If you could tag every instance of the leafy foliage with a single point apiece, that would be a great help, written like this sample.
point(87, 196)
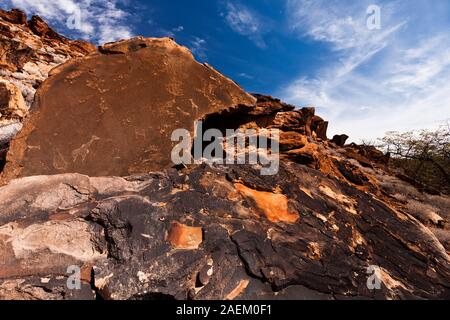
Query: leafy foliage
point(424, 155)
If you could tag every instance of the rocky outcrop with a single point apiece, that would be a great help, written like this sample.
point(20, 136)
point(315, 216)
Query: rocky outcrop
point(12, 111)
point(340, 139)
point(125, 102)
point(12, 104)
point(203, 232)
point(28, 51)
point(15, 16)
point(313, 231)
point(92, 207)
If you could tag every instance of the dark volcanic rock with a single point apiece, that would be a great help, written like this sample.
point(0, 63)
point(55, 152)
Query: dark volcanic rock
point(340, 139)
point(113, 113)
point(212, 234)
point(3, 152)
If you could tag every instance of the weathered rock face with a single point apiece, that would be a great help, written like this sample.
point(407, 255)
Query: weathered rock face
point(113, 112)
point(12, 104)
point(333, 213)
point(310, 232)
point(340, 139)
point(14, 16)
point(212, 233)
point(28, 51)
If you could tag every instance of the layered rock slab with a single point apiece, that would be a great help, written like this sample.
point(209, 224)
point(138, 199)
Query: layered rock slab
point(113, 112)
point(193, 234)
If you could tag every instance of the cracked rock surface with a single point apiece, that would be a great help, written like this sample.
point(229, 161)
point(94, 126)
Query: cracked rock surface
point(194, 234)
point(89, 188)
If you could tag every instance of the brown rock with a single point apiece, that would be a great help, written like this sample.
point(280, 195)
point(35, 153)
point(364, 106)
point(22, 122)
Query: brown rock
point(353, 154)
point(25, 58)
point(352, 173)
point(14, 16)
point(184, 237)
point(114, 114)
point(340, 140)
point(303, 121)
point(12, 105)
point(205, 274)
point(319, 127)
point(3, 152)
point(292, 140)
point(125, 234)
point(132, 45)
point(238, 290)
point(82, 47)
point(308, 112)
point(12, 110)
point(269, 105)
point(370, 153)
point(289, 121)
point(307, 155)
point(42, 29)
point(14, 54)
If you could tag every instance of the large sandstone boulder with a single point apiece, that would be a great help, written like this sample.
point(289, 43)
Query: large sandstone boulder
point(113, 112)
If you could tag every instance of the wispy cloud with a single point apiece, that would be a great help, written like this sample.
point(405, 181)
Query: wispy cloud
point(246, 22)
point(95, 20)
point(377, 80)
point(178, 29)
point(198, 47)
point(246, 76)
point(162, 32)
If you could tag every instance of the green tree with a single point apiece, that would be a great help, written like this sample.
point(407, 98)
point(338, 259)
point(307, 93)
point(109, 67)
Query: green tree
point(424, 155)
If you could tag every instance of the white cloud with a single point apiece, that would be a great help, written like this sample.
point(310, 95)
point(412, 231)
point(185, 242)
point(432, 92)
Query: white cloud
point(97, 20)
point(379, 80)
point(178, 29)
point(421, 66)
point(246, 22)
point(198, 47)
point(246, 76)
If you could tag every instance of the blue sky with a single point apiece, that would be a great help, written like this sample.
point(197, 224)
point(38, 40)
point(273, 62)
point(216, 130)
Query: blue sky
point(307, 52)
